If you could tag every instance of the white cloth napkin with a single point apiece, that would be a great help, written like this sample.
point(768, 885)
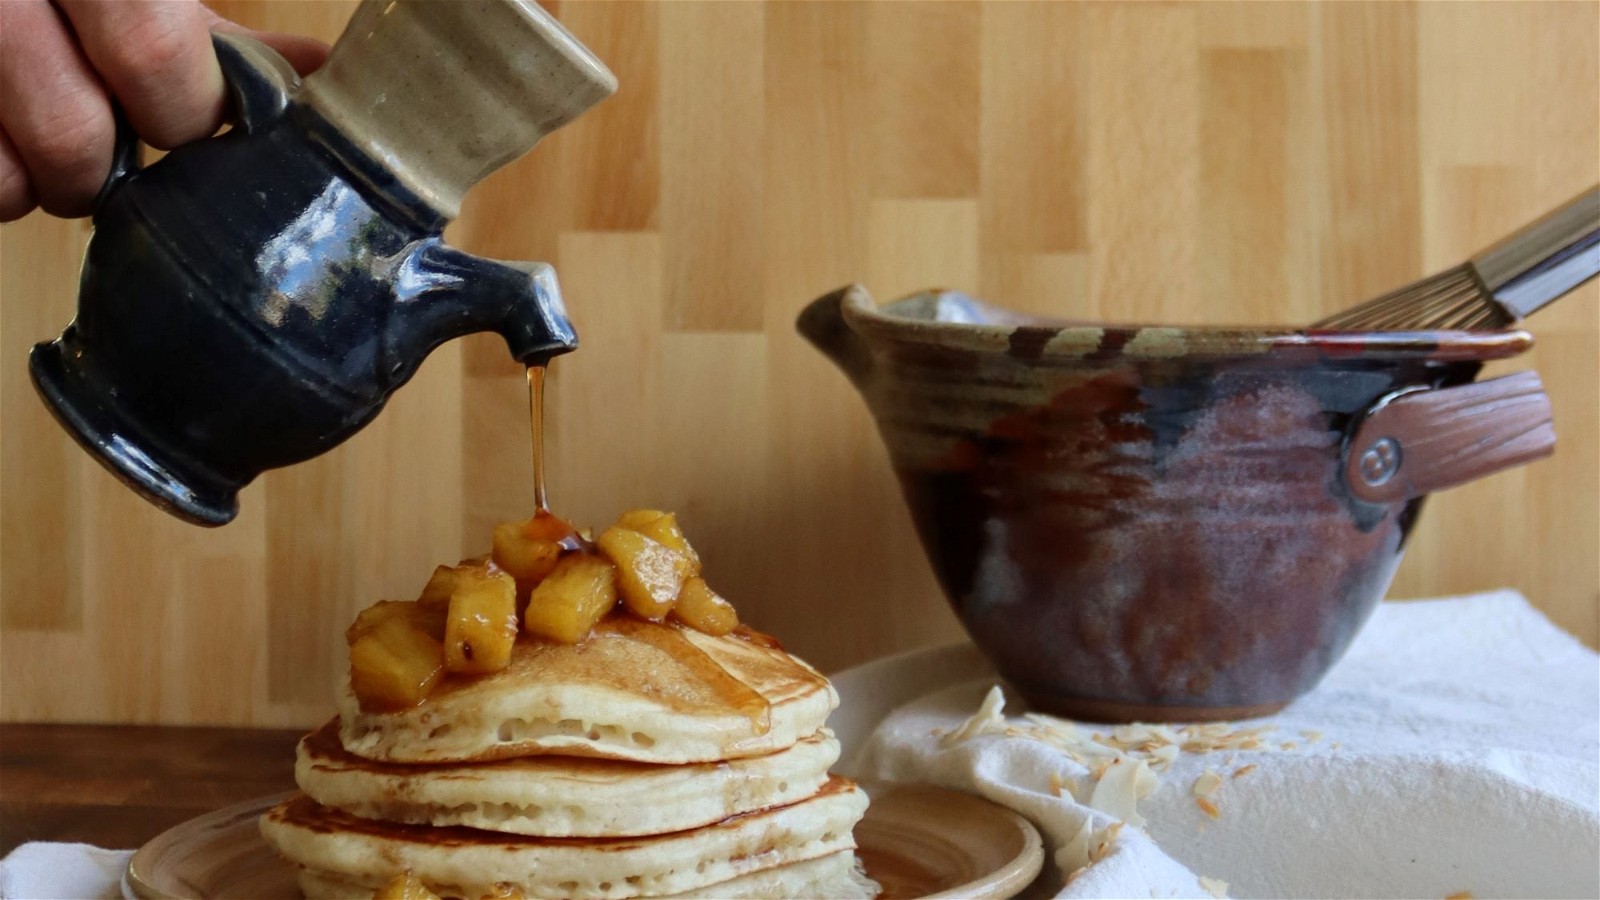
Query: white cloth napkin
point(1455, 749)
point(45, 871)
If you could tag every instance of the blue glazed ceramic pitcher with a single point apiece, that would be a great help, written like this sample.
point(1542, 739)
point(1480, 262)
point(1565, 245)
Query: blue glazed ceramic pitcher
point(251, 300)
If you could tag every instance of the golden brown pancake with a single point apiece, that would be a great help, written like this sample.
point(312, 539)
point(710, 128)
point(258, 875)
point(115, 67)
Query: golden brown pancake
point(837, 875)
point(634, 690)
point(467, 862)
point(561, 796)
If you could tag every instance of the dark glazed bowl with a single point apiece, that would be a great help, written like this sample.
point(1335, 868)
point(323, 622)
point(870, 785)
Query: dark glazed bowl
point(1160, 523)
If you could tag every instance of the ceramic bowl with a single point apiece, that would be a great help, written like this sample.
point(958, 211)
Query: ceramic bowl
point(1167, 523)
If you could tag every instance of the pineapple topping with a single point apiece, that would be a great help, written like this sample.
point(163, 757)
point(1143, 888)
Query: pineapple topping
point(544, 577)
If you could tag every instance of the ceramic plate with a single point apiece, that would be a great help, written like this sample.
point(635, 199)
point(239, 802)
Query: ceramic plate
point(916, 841)
point(920, 841)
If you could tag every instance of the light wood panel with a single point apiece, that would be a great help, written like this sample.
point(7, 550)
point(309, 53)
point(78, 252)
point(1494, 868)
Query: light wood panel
point(1250, 162)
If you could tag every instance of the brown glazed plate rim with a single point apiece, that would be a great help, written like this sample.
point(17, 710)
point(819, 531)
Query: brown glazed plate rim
point(921, 318)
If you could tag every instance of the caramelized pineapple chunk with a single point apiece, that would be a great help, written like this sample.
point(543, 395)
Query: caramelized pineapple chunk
point(369, 618)
point(482, 622)
point(430, 620)
point(552, 575)
point(567, 604)
point(528, 559)
point(649, 573)
point(661, 527)
point(637, 519)
point(703, 609)
point(441, 584)
point(547, 526)
point(405, 886)
point(395, 665)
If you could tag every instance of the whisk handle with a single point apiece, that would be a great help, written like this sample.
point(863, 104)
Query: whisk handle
point(1547, 258)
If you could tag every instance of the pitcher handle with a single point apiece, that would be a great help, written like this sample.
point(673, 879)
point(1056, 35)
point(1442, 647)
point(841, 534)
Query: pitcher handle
point(259, 81)
point(126, 157)
point(1417, 442)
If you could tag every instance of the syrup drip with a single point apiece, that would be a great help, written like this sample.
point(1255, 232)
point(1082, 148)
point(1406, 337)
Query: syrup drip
point(536, 424)
point(729, 690)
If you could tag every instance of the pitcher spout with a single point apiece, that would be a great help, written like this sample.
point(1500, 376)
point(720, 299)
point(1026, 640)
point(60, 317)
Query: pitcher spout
point(823, 323)
point(442, 293)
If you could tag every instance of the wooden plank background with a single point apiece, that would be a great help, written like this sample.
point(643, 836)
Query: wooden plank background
point(1225, 162)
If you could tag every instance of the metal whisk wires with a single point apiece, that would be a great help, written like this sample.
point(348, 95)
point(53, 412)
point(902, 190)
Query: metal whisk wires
point(1456, 299)
point(1498, 287)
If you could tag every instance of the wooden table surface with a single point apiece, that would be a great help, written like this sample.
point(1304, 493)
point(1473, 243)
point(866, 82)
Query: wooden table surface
point(121, 785)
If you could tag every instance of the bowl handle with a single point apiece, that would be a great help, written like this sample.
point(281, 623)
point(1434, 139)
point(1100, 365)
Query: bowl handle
point(1416, 442)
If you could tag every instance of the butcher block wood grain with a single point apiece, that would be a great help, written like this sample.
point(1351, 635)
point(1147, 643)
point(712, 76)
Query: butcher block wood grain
point(1205, 163)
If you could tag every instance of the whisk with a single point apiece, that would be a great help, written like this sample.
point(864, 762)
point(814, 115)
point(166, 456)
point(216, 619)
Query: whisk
point(1497, 287)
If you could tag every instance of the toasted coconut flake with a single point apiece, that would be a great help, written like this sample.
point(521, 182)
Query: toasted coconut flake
point(1104, 841)
point(1131, 735)
point(1125, 764)
point(1074, 854)
point(1059, 729)
point(1163, 756)
point(989, 718)
point(1311, 735)
point(1144, 780)
point(1087, 847)
point(1105, 740)
point(1117, 791)
point(1214, 886)
point(1099, 852)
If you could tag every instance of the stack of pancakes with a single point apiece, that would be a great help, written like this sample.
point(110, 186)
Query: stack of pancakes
point(647, 761)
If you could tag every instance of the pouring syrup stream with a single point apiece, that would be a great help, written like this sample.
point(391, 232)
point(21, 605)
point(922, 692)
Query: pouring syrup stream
point(730, 692)
point(536, 421)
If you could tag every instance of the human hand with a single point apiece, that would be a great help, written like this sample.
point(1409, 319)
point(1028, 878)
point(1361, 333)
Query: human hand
point(63, 61)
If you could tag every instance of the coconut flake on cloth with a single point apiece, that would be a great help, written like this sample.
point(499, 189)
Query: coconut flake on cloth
point(1454, 751)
